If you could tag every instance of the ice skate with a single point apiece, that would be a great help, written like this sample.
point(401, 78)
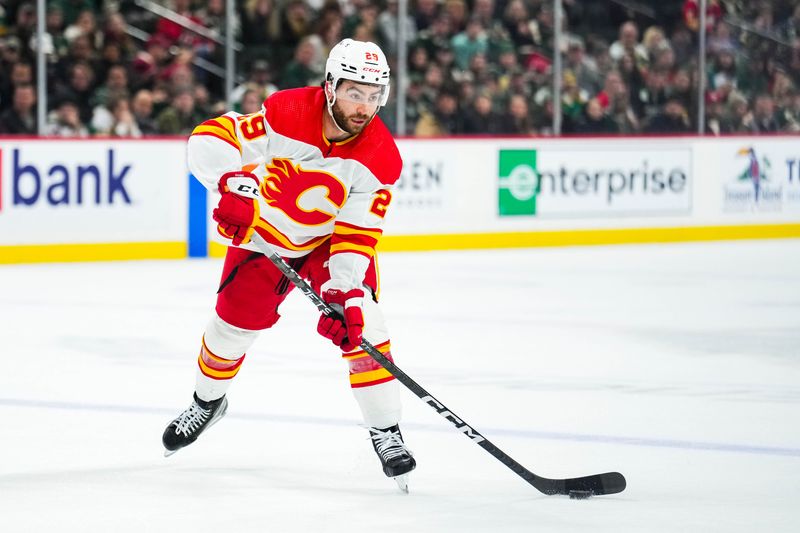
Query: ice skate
point(396, 459)
point(185, 429)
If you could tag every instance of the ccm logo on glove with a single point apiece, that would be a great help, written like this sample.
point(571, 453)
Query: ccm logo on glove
point(237, 212)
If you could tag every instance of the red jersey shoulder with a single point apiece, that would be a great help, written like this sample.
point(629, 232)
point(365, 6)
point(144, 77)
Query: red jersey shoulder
point(296, 113)
point(375, 149)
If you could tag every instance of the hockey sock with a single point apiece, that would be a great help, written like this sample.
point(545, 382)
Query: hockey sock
point(374, 388)
point(221, 356)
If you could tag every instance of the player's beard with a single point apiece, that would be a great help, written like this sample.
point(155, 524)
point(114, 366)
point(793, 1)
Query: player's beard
point(344, 121)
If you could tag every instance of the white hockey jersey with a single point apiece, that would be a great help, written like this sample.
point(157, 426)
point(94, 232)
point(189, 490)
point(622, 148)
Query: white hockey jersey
point(314, 192)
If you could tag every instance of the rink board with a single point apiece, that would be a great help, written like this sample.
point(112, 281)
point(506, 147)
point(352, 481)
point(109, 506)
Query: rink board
point(73, 200)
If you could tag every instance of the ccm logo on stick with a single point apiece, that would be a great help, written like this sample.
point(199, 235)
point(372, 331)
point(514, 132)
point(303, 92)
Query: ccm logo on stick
point(460, 424)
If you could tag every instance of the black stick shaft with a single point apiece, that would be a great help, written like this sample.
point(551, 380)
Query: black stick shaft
point(607, 483)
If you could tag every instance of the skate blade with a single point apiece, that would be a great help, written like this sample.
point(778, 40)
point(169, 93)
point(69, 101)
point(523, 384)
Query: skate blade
point(402, 482)
point(167, 453)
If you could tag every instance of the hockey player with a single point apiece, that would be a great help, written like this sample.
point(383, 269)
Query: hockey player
point(323, 164)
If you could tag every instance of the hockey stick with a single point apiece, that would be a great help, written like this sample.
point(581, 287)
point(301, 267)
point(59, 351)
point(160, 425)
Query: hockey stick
point(607, 483)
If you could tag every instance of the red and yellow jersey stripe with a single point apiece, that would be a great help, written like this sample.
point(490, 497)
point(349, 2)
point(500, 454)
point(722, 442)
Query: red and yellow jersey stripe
point(223, 128)
point(349, 238)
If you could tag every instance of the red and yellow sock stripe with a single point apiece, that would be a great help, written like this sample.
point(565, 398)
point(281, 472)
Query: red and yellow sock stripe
point(366, 371)
point(216, 367)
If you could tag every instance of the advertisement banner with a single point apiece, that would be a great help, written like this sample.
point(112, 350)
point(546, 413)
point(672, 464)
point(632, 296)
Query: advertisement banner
point(92, 191)
point(760, 177)
point(424, 192)
point(581, 182)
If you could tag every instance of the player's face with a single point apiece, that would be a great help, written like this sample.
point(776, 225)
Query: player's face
point(356, 105)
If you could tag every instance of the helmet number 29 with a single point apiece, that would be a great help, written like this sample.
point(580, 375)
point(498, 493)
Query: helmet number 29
point(371, 56)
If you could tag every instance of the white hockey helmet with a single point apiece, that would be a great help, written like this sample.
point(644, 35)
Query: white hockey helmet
point(359, 61)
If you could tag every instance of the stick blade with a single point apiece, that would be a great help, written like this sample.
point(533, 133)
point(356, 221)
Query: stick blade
point(597, 484)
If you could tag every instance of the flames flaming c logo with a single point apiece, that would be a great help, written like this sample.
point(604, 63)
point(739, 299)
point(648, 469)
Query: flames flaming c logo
point(285, 183)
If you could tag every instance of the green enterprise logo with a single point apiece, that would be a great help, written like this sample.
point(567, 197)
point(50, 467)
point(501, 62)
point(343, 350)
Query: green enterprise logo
point(518, 182)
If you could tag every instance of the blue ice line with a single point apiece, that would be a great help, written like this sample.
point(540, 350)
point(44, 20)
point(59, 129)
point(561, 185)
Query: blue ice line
point(525, 434)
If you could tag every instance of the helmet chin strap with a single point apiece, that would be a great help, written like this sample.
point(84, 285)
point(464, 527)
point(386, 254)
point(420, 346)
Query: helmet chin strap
point(330, 108)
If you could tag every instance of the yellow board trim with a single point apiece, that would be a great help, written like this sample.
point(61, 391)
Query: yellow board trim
point(536, 239)
point(57, 253)
point(533, 239)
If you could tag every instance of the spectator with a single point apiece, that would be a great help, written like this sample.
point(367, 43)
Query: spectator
point(595, 120)
point(518, 23)
point(673, 119)
point(573, 98)
point(437, 36)
point(20, 118)
point(791, 113)
point(468, 43)
point(295, 25)
point(388, 26)
point(115, 83)
point(651, 99)
point(81, 50)
point(517, 120)
point(765, 119)
point(303, 70)
point(21, 74)
point(444, 119)
point(654, 41)
point(54, 26)
point(584, 69)
point(103, 114)
point(180, 117)
point(481, 118)
point(458, 12)
point(722, 70)
point(425, 12)
point(124, 123)
point(65, 121)
point(629, 42)
point(80, 89)
point(613, 87)
point(251, 102)
point(739, 115)
point(691, 14)
point(84, 26)
point(260, 81)
point(717, 123)
point(631, 75)
point(72, 8)
point(682, 89)
point(24, 27)
point(260, 24)
point(142, 110)
point(114, 32)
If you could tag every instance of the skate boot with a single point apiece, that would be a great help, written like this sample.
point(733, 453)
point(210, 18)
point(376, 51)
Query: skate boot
point(185, 429)
point(396, 460)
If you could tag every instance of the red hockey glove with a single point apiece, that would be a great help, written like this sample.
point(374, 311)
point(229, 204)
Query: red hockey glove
point(237, 212)
point(348, 304)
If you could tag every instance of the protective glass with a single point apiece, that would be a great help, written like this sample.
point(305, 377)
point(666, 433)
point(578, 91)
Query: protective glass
point(367, 95)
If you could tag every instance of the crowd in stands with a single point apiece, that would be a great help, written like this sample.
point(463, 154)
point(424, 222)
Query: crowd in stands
point(475, 67)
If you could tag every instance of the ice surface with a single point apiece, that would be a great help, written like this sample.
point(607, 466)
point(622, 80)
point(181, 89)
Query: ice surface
point(678, 365)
